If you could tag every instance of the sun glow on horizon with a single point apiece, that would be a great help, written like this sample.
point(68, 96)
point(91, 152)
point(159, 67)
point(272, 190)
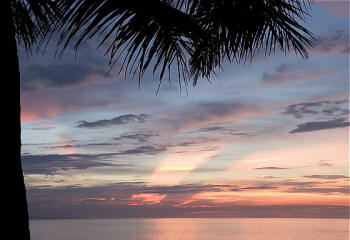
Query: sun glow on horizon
point(175, 166)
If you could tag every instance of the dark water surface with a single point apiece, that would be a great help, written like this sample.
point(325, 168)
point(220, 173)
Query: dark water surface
point(191, 229)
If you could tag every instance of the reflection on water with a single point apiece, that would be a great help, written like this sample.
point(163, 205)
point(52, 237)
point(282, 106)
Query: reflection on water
point(191, 229)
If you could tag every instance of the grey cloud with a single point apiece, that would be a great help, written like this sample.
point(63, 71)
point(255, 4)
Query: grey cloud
point(82, 145)
point(141, 137)
point(335, 176)
point(295, 183)
point(122, 119)
point(150, 150)
point(214, 129)
point(62, 75)
point(253, 188)
point(223, 130)
point(41, 128)
point(270, 168)
point(51, 163)
point(337, 108)
point(323, 125)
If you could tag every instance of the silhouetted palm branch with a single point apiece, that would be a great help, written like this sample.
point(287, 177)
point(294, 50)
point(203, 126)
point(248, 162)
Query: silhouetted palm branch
point(35, 20)
point(242, 28)
point(194, 36)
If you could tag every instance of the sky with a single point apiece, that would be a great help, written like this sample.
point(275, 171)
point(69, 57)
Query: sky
point(268, 138)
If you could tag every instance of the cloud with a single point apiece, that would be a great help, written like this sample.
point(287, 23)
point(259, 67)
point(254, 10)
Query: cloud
point(327, 176)
point(214, 129)
point(175, 166)
point(48, 164)
point(336, 108)
point(323, 125)
point(150, 150)
point(122, 119)
point(269, 177)
point(51, 102)
point(221, 130)
point(58, 75)
point(343, 190)
point(148, 198)
point(138, 199)
point(208, 113)
point(293, 72)
point(51, 163)
point(81, 145)
point(291, 182)
point(334, 114)
point(270, 168)
point(332, 42)
point(181, 188)
point(141, 137)
point(325, 163)
point(91, 199)
point(255, 188)
point(41, 128)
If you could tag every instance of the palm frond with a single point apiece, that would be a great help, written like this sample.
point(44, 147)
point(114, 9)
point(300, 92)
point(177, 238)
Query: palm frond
point(194, 37)
point(242, 28)
point(35, 20)
point(137, 31)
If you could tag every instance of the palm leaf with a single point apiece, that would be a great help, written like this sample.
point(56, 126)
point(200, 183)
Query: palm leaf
point(193, 37)
point(35, 20)
point(242, 28)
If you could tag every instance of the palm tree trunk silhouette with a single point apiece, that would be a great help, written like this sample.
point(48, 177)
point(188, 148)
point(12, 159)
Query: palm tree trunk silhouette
point(19, 208)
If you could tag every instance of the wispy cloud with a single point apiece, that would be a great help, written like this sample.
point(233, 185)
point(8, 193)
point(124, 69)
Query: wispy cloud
point(141, 137)
point(271, 168)
point(322, 125)
point(52, 163)
point(325, 163)
point(147, 198)
point(293, 72)
point(343, 190)
point(334, 176)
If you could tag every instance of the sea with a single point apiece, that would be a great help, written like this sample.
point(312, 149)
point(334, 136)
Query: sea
point(191, 229)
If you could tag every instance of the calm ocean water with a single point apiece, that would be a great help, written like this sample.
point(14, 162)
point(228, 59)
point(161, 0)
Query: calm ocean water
point(192, 229)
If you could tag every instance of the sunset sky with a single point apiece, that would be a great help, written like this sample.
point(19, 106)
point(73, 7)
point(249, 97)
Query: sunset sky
point(264, 139)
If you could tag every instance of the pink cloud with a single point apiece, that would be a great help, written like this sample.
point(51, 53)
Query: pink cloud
point(148, 198)
point(91, 199)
